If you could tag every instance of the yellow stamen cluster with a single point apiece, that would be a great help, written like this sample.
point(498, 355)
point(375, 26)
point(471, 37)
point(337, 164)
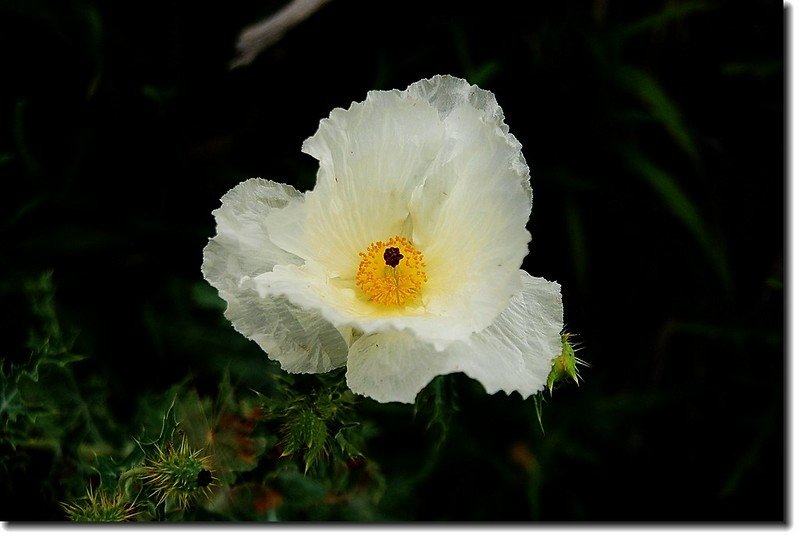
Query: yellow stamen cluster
point(392, 272)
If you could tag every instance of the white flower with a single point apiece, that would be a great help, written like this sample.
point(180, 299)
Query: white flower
point(403, 262)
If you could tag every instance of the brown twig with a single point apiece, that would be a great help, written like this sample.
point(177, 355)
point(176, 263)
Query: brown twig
point(257, 37)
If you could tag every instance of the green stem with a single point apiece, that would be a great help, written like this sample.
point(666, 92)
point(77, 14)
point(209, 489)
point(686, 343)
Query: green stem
point(138, 471)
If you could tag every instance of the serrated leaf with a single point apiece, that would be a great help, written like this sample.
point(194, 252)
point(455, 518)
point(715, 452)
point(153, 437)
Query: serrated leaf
point(437, 402)
point(306, 434)
point(156, 417)
point(347, 447)
point(11, 406)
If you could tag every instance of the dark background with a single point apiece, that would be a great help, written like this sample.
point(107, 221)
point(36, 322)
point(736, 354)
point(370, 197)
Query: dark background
point(655, 135)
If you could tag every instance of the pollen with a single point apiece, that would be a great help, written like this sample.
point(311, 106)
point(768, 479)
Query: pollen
point(391, 272)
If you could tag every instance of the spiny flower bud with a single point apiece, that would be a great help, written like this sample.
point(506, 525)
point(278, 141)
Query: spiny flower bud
point(98, 507)
point(179, 475)
point(565, 364)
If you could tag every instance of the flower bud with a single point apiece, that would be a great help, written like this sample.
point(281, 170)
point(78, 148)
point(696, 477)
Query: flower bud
point(179, 475)
point(565, 364)
point(99, 507)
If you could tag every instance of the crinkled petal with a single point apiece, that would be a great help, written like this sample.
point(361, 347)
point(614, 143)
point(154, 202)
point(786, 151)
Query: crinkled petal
point(309, 286)
point(469, 218)
point(241, 246)
point(393, 366)
point(435, 163)
point(287, 229)
point(302, 340)
point(371, 158)
point(513, 354)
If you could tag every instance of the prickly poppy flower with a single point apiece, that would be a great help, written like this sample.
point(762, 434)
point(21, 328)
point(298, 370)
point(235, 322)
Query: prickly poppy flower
point(403, 263)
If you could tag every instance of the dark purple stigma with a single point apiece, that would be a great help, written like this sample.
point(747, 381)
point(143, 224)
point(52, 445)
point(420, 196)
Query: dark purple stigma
point(392, 256)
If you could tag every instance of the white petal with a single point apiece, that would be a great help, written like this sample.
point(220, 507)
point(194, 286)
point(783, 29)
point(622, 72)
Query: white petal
point(448, 93)
point(241, 246)
point(371, 158)
point(303, 341)
point(300, 339)
point(393, 366)
point(435, 161)
point(513, 354)
point(309, 286)
point(469, 218)
point(287, 228)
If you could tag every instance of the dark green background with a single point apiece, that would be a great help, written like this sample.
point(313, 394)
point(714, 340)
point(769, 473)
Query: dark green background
point(655, 135)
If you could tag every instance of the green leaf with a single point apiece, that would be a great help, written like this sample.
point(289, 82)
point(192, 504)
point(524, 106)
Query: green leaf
point(437, 402)
point(538, 401)
point(660, 106)
point(761, 69)
point(479, 75)
point(344, 442)
point(12, 407)
point(40, 413)
point(206, 297)
point(672, 12)
point(683, 208)
point(317, 428)
point(306, 433)
point(156, 417)
point(576, 230)
point(482, 75)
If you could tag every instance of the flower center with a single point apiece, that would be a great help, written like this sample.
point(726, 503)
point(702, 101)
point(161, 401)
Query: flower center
point(391, 272)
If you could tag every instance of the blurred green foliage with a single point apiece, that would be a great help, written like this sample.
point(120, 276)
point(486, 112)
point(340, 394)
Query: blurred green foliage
point(33, 408)
point(655, 136)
